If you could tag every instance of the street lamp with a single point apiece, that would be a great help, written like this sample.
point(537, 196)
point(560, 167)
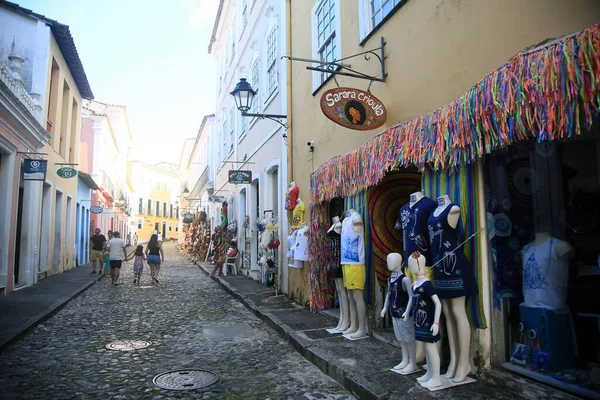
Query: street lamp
point(244, 95)
point(185, 191)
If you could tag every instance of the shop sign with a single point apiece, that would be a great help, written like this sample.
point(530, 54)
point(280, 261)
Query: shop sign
point(34, 170)
point(67, 172)
point(353, 108)
point(238, 177)
point(96, 209)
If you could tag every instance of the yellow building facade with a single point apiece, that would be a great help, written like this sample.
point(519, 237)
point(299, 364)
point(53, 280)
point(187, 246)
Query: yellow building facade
point(154, 200)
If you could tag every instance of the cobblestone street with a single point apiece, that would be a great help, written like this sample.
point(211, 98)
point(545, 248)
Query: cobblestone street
point(192, 323)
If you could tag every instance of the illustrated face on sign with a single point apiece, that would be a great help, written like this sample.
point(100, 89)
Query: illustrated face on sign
point(355, 112)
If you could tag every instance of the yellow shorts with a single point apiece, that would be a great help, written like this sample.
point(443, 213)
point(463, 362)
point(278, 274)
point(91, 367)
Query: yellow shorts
point(96, 255)
point(354, 276)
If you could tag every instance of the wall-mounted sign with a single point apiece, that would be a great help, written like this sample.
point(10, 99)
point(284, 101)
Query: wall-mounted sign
point(67, 172)
point(353, 108)
point(239, 177)
point(34, 170)
point(96, 209)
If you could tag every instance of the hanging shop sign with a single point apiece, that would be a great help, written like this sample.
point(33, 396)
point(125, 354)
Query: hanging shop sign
point(238, 177)
point(353, 108)
point(34, 170)
point(66, 172)
point(96, 209)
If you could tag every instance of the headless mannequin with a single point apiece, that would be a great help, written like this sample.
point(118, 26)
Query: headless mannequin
point(431, 379)
point(358, 309)
point(409, 348)
point(457, 323)
point(344, 322)
point(563, 249)
point(415, 197)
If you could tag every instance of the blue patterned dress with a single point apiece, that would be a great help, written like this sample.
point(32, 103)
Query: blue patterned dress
point(453, 276)
point(424, 311)
point(413, 222)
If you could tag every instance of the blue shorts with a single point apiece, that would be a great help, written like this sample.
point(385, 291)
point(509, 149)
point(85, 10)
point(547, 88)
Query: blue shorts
point(154, 260)
point(115, 264)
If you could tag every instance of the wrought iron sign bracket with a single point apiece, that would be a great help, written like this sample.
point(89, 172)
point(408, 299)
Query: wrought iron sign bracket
point(338, 67)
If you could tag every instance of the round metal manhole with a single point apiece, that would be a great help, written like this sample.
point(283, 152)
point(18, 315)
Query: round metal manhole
point(185, 379)
point(128, 345)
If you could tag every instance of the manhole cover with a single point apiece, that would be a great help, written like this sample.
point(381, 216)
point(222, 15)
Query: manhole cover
point(128, 345)
point(185, 379)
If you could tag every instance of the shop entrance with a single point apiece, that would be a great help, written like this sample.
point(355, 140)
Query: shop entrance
point(544, 229)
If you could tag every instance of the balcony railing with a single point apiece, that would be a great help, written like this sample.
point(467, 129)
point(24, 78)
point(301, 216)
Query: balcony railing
point(14, 83)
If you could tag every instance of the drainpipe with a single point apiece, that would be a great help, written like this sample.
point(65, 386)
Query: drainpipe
point(290, 141)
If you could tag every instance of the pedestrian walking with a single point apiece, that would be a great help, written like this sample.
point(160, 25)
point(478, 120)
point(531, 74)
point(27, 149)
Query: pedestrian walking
point(106, 270)
point(135, 239)
point(116, 254)
point(128, 239)
point(97, 242)
point(138, 257)
point(155, 255)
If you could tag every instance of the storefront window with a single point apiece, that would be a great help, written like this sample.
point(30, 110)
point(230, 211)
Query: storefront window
point(544, 230)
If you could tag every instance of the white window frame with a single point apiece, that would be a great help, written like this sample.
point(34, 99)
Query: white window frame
point(336, 30)
point(272, 68)
point(244, 13)
point(140, 223)
point(255, 72)
point(365, 17)
point(232, 127)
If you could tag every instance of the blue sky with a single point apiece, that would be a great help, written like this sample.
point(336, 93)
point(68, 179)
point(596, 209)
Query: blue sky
point(150, 56)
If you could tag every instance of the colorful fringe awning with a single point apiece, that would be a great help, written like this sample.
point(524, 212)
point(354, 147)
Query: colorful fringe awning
point(548, 93)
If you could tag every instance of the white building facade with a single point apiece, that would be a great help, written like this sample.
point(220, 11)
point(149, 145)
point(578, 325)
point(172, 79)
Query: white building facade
point(248, 41)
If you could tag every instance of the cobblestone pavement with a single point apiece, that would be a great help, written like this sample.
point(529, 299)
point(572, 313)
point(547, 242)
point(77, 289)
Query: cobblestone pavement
point(192, 323)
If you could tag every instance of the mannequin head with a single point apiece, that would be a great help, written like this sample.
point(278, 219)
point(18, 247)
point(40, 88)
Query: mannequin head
point(292, 184)
point(349, 212)
point(416, 264)
point(394, 262)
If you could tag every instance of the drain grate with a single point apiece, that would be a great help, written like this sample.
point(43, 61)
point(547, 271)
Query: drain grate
point(185, 379)
point(128, 345)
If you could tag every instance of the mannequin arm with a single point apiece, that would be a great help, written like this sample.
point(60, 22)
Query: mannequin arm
point(385, 307)
point(453, 216)
point(408, 288)
point(435, 328)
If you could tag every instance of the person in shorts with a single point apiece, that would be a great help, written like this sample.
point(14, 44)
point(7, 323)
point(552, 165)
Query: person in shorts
point(116, 253)
point(97, 241)
point(154, 254)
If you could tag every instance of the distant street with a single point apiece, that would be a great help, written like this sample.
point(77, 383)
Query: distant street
point(190, 321)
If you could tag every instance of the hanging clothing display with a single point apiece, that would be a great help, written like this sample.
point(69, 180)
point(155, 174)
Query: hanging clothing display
point(413, 222)
point(453, 276)
point(298, 214)
point(292, 243)
point(333, 254)
point(352, 242)
point(545, 277)
point(424, 310)
point(291, 197)
point(301, 252)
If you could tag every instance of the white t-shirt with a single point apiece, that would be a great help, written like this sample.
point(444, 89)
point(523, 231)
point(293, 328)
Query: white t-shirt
point(301, 252)
point(353, 240)
point(115, 249)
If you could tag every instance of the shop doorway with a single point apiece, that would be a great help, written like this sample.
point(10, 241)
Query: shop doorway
point(18, 238)
point(58, 212)
point(164, 230)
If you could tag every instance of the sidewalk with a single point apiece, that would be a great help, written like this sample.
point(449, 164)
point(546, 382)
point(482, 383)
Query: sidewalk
point(21, 310)
point(363, 366)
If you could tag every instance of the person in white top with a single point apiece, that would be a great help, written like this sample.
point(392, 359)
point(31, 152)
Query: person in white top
point(116, 254)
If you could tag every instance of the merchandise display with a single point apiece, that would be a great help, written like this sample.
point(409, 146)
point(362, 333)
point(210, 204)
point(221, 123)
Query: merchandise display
point(298, 213)
point(291, 196)
point(412, 219)
point(453, 280)
point(334, 261)
point(397, 299)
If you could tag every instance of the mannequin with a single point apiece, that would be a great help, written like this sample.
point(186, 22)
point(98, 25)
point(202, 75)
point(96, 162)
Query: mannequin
point(291, 196)
point(412, 219)
point(425, 302)
point(353, 264)
point(399, 295)
point(454, 280)
point(333, 240)
point(546, 273)
point(298, 213)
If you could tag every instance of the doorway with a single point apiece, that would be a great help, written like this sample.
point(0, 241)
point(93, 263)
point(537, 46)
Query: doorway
point(18, 237)
point(164, 230)
point(254, 216)
point(56, 255)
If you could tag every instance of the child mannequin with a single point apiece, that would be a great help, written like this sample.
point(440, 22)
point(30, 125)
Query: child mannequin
point(424, 301)
point(399, 295)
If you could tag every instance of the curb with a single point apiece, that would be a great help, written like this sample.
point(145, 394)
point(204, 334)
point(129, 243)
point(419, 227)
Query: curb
point(357, 385)
point(30, 324)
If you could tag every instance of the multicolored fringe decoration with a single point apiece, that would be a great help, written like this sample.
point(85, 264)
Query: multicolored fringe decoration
point(547, 93)
point(321, 288)
point(385, 201)
point(461, 186)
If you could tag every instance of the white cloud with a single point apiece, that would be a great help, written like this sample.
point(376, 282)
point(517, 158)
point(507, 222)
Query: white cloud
point(202, 13)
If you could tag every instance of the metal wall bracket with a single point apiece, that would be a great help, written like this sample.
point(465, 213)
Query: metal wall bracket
point(337, 67)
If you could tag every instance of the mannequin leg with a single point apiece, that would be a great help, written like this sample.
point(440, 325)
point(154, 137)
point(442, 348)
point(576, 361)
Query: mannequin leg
point(411, 345)
point(361, 311)
point(405, 356)
point(344, 322)
point(353, 315)
point(463, 331)
point(433, 361)
point(452, 337)
point(420, 352)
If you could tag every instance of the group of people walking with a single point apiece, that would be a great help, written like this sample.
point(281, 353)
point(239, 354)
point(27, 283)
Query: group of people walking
point(113, 252)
